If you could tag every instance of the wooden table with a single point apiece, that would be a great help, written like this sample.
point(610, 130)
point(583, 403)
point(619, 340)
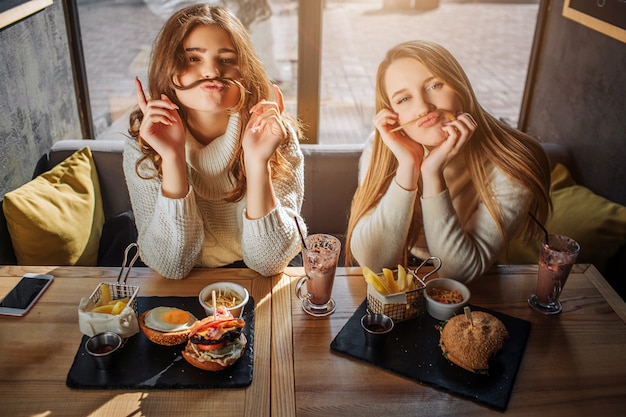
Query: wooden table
point(574, 363)
point(36, 351)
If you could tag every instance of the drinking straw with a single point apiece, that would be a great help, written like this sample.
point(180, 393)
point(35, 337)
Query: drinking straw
point(300, 231)
point(542, 227)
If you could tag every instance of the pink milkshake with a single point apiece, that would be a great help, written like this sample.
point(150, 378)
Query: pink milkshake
point(555, 263)
point(320, 258)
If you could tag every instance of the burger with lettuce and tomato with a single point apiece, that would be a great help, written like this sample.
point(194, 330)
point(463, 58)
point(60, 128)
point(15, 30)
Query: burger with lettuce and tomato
point(216, 342)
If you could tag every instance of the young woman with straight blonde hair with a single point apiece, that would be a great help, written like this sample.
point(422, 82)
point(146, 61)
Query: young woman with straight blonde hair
point(214, 168)
point(440, 176)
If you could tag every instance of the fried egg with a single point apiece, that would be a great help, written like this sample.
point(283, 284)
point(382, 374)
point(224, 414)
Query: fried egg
point(169, 319)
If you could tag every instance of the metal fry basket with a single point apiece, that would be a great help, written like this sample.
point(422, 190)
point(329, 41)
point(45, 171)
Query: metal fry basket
point(403, 305)
point(120, 289)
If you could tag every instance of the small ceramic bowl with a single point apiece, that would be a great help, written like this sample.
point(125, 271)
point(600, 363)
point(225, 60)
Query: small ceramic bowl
point(441, 310)
point(206, 299)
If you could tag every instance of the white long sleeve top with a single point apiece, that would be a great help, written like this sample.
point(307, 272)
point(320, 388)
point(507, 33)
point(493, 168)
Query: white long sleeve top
point(201, 229)
point(457, 226)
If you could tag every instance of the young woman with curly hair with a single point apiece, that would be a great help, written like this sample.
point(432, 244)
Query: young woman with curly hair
point(213, 165)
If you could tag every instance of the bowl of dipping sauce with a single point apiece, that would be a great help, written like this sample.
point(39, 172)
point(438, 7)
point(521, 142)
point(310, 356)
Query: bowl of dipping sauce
point(227, 294)
point(102, 347)
point(376, 328)
point(445, 297)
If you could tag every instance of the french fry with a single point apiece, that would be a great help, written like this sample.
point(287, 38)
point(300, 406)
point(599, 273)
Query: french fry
point(390, 281)
point(118, 307)
point(410, 283)
point(114, 307)
point(106, 309)
point(403, 283)
point(105, 295)
point(123, 300)
point(372, 279)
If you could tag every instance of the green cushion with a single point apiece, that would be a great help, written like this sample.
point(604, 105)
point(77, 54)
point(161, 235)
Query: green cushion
point(57, 218)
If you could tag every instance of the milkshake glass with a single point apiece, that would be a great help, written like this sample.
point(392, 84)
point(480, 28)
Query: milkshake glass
point(555, 263)
point(320, 258)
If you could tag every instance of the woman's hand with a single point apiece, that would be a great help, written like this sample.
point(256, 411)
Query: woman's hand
point(458, 133)
point(408, 152)
point(265, 131)
point(161, 127)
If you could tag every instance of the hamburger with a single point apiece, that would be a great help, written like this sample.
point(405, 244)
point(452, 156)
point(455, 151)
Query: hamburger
point(216, 342)
point(470, 340)
point(167, 326)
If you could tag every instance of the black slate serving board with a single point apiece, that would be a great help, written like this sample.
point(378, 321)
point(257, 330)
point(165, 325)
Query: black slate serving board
point(412, 350)
point(141, 364)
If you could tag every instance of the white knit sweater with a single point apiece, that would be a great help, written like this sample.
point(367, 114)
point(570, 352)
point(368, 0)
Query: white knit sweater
point(457, 226)
point(202, 229)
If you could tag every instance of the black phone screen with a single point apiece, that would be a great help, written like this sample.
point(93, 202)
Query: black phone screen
point(24, 292)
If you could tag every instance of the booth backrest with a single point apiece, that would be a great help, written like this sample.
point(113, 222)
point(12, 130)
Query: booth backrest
point(330, 180)
point(330, 172)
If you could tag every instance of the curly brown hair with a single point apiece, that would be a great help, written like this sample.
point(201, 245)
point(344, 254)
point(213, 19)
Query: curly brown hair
point(168, 60)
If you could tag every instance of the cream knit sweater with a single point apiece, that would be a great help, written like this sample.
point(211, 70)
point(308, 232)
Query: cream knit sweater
point(202, 229)
point(457, 226)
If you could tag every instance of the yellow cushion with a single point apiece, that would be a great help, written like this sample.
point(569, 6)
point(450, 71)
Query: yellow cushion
point(597, 224)
point(57, 218)
point(560, 178)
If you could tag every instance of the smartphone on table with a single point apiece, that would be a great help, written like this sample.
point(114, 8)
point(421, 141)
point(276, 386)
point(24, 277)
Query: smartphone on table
point(25, 294)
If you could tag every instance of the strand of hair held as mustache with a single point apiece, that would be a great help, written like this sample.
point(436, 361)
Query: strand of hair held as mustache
point(226, 82)
point(448, 114)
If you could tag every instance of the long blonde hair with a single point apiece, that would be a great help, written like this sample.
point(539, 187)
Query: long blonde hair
point(168, 60)
point(518, 155)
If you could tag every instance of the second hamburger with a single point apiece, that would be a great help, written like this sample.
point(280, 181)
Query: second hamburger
point(470, 344)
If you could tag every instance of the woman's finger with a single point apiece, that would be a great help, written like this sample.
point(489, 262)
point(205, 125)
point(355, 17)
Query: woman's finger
point(164, 108)
point(263, 106)
point(469, 118)
point(385, 119)
point(465, 121)
point(265, 110)
point(279, 99)
point(141, 96)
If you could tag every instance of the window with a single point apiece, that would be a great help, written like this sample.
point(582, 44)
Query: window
point(491, 40)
